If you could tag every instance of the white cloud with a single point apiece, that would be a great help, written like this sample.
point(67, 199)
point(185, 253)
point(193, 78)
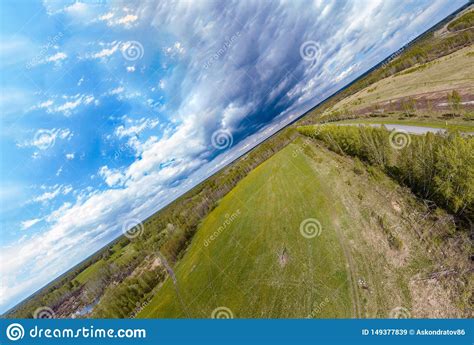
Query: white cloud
point(97, 217)
point(29, 223)
point(53, 192)
point(56, 214)
point(116, 91)
point(45, 105)
point(132, 131)
point(46, 138)
point(106, 16)
point(64, 133)
point(57, 57)
point(46, 196)
point(67, 189)
point(106, 52)
point(137, 126)
point(77, 8)
point(112, 177)
point(127, 20)
point(88, 99)
point(69, 106)
point(176, 49)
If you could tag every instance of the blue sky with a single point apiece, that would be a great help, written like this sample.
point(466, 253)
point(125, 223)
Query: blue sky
point(109, 110)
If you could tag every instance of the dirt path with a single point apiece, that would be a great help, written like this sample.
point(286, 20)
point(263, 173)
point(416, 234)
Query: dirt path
point(352, 272)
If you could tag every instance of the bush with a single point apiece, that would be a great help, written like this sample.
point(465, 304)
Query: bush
point(123, 300)
point(358, 167)
point(438, 167)
point(463, 22)
point(454, 100)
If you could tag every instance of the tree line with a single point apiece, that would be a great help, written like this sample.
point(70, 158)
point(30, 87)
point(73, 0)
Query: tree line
point(437, 167)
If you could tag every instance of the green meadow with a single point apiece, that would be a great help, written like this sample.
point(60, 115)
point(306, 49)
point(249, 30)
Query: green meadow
point(260, 265)
point(249, 254)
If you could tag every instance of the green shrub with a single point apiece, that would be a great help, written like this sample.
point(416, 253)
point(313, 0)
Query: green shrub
point(358, 167)
point(438, 167)
point(463, 22)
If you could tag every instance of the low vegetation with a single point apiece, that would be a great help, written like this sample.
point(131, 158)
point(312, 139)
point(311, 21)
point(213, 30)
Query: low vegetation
point(361, 260)
point(424, 50)
point(463, 22)
point(436, 167)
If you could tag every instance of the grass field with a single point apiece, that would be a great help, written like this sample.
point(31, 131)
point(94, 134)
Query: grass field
point(241, 268)
point(452, 72)
point(249, 255)
point(85, 275)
